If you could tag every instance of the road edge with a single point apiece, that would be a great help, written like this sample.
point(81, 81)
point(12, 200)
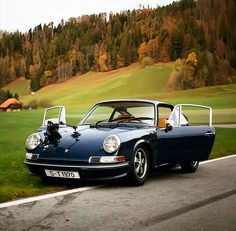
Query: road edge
point(46, 196)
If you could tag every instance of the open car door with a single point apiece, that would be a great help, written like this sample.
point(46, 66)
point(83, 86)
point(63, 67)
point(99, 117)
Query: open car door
point(55, 115)
point(186, 141)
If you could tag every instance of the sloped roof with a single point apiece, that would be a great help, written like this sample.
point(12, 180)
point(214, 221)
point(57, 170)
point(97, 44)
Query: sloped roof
point(9, 102)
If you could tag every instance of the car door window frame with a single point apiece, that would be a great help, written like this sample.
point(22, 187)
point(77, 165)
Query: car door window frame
point(177, 119)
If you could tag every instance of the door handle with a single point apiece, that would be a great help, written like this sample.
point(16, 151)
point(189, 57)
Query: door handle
point(209, 133)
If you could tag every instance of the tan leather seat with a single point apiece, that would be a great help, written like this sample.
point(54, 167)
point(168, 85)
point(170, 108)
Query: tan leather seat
point(162, 122)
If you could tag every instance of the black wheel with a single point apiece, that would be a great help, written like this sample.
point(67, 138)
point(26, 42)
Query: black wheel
point(139, 166)
point(189, 167)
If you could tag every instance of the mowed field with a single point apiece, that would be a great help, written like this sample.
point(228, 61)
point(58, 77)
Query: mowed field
point(80, 93)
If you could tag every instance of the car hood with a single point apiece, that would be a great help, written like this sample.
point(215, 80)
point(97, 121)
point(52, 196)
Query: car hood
point(85, 142)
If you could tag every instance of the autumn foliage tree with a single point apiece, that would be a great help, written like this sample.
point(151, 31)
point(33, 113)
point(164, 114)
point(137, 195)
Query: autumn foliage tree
point(142, 51)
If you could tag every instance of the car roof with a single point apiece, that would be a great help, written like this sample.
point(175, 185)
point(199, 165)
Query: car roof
point(155, 102)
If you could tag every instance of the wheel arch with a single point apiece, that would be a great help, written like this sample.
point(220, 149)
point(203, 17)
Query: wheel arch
point(147, 145)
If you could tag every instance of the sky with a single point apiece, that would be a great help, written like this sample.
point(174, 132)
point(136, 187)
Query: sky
point(23, 15)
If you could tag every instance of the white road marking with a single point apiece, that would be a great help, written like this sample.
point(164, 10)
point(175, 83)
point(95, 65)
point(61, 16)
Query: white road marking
point(66, 192)
point(43, 197)
point(220, 158)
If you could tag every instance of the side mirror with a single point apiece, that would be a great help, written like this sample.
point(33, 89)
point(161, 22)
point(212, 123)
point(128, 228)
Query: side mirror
point(168, 127)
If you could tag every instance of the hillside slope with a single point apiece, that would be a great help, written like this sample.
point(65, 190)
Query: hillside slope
point(19, 86)
point(130, 82)
point(81, 92)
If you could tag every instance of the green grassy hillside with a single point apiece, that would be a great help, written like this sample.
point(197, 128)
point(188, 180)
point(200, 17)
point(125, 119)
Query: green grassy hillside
point(81, 92)
point(20, 86)
point(131, 82)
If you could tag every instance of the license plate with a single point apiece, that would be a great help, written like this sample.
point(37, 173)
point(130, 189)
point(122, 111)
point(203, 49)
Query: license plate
point(62, 174)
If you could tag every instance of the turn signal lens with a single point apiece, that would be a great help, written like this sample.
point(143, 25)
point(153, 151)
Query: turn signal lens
point(31, 156)
point(107, 159)
point(112, 159)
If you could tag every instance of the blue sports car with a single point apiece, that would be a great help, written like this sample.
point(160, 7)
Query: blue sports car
point(119, 138)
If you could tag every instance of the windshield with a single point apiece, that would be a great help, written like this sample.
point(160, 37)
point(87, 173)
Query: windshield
point(120, 112)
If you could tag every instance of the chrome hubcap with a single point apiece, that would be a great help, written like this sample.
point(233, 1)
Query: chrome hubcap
point(140, 163)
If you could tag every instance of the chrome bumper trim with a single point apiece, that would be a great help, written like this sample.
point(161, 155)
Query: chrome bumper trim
point(100, 166)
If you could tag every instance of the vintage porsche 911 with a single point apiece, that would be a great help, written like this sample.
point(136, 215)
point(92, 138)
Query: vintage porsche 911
point(119, 138)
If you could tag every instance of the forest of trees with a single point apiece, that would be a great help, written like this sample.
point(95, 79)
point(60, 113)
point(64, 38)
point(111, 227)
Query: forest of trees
point(200, 35)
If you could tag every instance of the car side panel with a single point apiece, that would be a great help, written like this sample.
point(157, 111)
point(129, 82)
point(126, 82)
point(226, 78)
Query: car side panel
point(185, 144)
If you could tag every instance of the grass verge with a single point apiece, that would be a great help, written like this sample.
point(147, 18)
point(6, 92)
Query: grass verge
point(224, 143)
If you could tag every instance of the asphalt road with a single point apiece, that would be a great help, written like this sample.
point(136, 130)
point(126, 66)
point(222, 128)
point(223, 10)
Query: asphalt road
point(170, 200)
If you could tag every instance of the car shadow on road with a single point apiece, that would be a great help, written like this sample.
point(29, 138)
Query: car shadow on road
point(160, 173)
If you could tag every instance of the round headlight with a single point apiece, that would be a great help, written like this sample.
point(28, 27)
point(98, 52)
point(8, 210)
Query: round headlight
point(32, 141)
point(111, 143)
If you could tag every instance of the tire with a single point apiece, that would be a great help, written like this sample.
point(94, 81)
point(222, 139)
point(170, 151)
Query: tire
point(189, 167)
point(139, 166)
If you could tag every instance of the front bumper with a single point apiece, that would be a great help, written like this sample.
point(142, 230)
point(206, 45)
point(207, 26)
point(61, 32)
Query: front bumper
point(87, 172)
